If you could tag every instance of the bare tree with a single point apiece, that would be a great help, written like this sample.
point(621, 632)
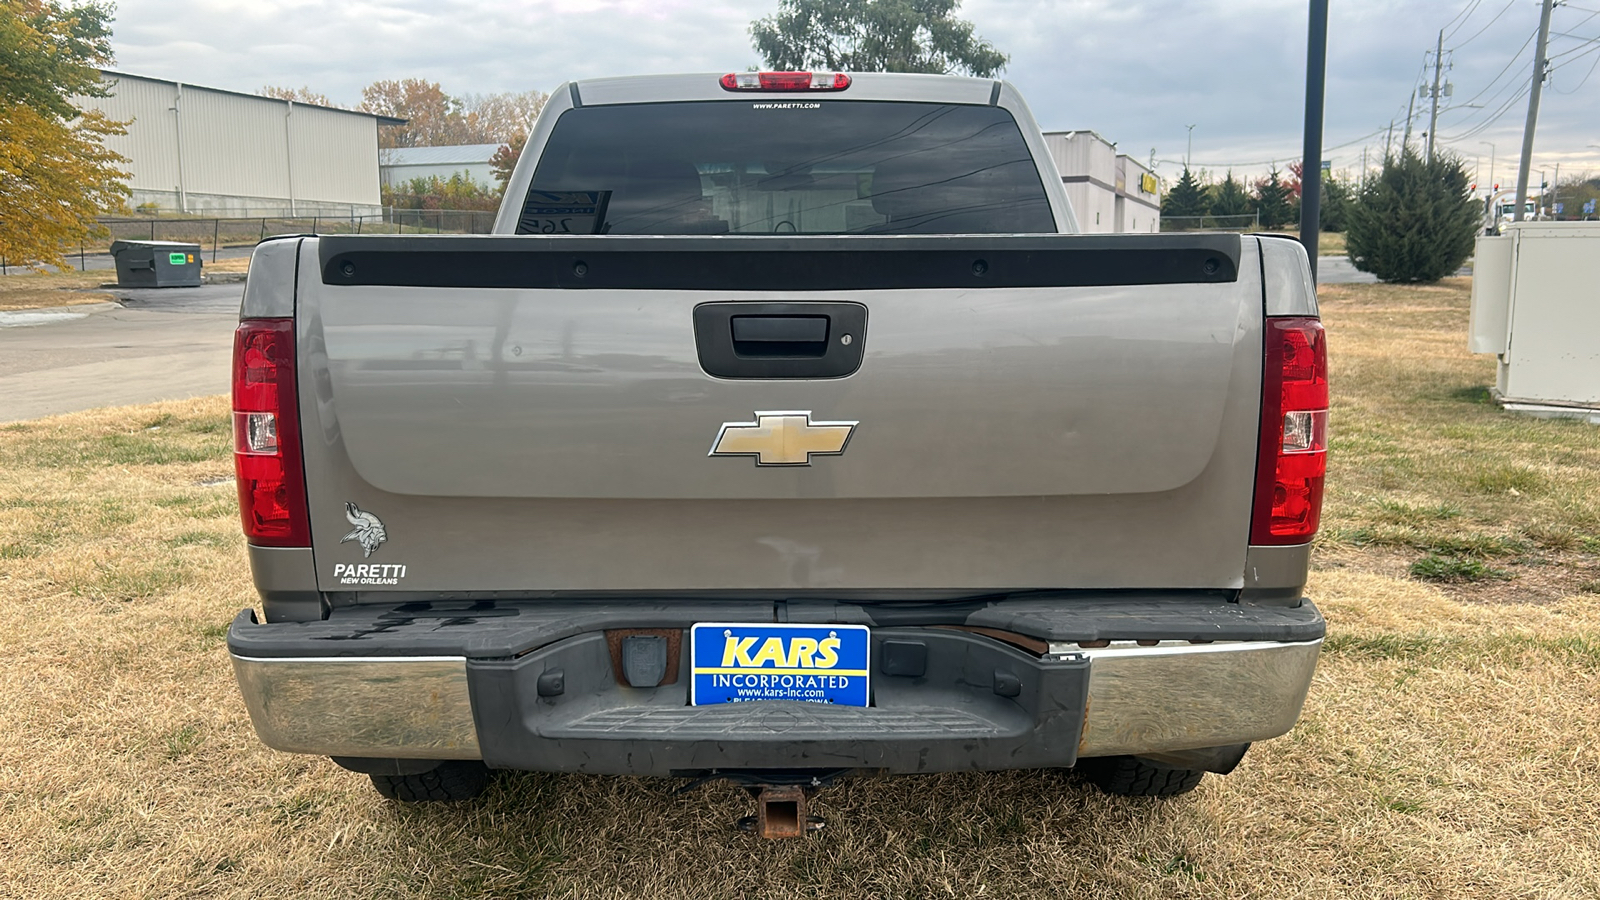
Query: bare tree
point(298, 95)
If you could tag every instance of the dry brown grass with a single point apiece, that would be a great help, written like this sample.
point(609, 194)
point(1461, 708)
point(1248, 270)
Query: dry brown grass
point(1329, 243)
point(1448, 750)
point(1424, 469)
point(241, 264)
point(38, 290)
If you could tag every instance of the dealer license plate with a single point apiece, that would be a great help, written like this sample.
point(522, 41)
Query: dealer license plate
point(733, 663)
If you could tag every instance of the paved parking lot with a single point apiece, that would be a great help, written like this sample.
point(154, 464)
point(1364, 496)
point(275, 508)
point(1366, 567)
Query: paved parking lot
point(157, 345)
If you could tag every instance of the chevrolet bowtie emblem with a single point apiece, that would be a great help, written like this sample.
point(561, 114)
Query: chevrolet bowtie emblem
point(782, 438)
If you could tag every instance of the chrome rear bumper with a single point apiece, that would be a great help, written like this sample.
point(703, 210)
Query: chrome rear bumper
point(415, 707)
point(1140, 699)
point(1180, 696)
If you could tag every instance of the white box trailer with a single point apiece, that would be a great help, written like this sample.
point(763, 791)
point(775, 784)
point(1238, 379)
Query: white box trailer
point(1536, 306)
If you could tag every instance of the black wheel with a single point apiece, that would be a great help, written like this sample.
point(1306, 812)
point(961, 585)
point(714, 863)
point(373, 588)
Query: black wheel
point(1127, 776)
point(453, 780)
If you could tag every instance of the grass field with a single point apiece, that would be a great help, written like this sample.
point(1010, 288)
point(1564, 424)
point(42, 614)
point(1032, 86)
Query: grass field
point(1450, 747)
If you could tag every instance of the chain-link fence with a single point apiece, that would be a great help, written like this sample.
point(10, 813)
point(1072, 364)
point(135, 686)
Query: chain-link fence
point(1247, 222)
point(216, 233)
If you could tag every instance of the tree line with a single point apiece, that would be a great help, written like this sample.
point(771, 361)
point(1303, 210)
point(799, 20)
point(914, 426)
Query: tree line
point(433, 117)
point(1415, 220)
point(1275, 198)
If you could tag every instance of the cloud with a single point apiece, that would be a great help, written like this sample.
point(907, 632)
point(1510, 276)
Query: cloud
point(1136, 71)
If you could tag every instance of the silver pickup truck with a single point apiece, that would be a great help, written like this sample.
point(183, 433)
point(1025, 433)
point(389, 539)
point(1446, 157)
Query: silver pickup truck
point(784, 429)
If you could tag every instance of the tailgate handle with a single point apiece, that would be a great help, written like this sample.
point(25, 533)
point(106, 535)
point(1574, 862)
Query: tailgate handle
point(757, 336)
point(761, 339)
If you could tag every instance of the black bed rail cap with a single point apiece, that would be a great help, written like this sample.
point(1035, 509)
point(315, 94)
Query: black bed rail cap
point(764, 263)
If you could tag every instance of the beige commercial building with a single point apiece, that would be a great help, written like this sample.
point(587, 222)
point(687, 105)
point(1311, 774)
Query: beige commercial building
point(1111, 193)
point(200, 149)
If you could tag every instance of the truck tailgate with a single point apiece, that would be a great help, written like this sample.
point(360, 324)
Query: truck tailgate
point(531, 415)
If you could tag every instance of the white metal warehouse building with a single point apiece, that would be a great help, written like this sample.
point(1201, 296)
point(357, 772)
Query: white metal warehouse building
point(200, 149)
point(401, 164)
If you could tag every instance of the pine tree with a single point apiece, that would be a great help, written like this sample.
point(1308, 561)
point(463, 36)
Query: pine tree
point(1336, 202)
point(1229, 198)
point(1272, 197)
point(1187, 197)
point(1416, 221)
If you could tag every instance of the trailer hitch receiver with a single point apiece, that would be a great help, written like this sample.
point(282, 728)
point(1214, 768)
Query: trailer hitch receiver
point(781, 812)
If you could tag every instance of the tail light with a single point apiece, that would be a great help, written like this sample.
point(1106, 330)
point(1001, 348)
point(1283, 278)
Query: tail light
point(1293, 455)
point(266, 435)
point(785, 81)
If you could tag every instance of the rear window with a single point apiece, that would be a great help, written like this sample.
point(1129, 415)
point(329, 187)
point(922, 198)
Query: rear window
point(791, 167)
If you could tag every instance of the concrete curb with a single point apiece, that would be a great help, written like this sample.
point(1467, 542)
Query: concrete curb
point(98, 306)
point(205, 278)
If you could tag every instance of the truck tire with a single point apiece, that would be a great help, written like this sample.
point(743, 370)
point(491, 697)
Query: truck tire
point(453, 780)
point(1127, 776)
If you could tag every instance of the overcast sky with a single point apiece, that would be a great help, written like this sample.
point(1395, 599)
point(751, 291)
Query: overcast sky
point(1137, 71)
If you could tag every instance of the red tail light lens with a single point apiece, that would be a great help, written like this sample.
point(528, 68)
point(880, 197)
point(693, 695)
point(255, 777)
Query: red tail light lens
point(1293, 455)
point(266, 435)
point(785, 81)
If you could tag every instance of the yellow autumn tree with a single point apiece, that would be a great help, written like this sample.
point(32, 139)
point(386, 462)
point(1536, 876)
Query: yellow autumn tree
point(56, 174)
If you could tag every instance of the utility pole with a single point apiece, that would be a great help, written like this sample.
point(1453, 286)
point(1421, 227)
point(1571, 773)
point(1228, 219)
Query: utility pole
point(1438, 68)
point(1311, 157)
point(1411, 107)
point(1388, 141)
point(1492, 185)
point(1540, 61)
point(1555, 191)
point(1190, 148)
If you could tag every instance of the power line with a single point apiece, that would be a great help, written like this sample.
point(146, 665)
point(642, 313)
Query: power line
point(1493, 98)
point(1583, 40)
point(1513, 61)
point(1493, 93)
point(1481, 127)
point(1464, 15)
point(1488, 111)
point(1486, 27)
point(1585, 43)
point(1473, 129)
point(1585, 77)
point(1488, 103)
point(1268, 162)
